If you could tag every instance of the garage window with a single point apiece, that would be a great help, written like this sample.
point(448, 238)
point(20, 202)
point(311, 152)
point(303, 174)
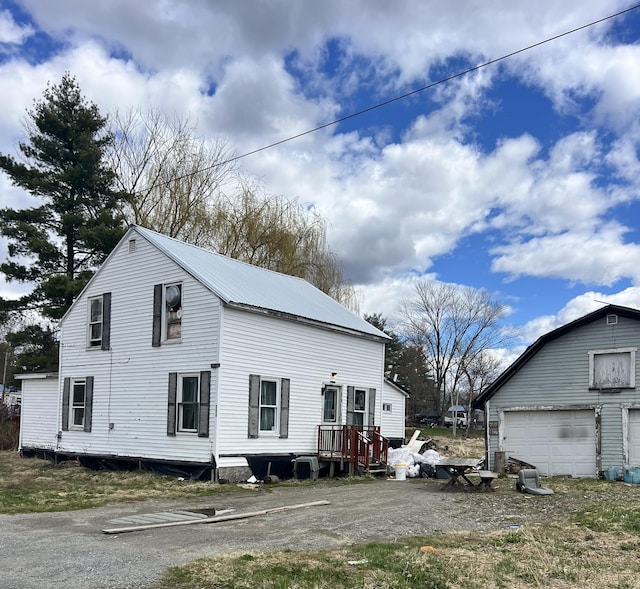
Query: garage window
point(612, 369)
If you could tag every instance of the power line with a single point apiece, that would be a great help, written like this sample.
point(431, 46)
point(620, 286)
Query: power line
point(407, 94)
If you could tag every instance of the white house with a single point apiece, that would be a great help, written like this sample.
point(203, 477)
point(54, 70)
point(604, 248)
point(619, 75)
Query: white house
point(179, 356)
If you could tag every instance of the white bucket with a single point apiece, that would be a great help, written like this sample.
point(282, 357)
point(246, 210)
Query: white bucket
point(401, 472)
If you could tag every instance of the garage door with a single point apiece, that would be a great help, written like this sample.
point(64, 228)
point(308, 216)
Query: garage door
point(634, 437)
point(555, 442)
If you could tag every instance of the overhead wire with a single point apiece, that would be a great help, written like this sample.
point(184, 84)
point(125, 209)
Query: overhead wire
point(405, 95)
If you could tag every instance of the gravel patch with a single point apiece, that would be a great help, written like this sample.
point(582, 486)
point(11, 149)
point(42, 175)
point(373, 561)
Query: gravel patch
point(68, 550)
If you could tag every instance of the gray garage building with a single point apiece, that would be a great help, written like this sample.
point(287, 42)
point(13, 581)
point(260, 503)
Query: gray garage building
point(569, 405)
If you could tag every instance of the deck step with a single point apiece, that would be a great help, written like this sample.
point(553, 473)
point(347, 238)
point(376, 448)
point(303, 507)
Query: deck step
point(377, 471)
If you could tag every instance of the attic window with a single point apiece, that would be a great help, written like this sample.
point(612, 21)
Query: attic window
point(132, 246)
point(612, 319)
point(612, 369)
point(173, 311)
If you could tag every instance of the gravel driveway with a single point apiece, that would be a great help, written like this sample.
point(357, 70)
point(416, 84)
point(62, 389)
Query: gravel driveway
point(69, 551)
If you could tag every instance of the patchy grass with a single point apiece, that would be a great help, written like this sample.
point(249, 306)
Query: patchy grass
point(586, 536)
point(555, 556)
point(35, 485)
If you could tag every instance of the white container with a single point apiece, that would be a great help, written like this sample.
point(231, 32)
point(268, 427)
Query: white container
point(401, 472)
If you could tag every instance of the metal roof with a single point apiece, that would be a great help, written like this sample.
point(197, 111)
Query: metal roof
point(243, 285)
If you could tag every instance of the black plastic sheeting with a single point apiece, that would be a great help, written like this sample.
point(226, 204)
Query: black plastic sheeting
point(196, 472)
point(281, 465)
point(189, 471)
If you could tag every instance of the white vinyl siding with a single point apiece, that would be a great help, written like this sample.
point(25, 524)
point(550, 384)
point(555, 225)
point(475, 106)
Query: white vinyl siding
point(131, 397)
point(39, 412)
point(130, 381)
point(304, 355)
point(393, 422)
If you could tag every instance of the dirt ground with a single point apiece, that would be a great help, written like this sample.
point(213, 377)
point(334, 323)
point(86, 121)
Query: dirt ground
point(69, 550)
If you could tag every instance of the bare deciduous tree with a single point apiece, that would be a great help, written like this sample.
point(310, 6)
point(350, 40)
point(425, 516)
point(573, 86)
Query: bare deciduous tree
point(187, 188)
point(456, 327)
point(173, 176)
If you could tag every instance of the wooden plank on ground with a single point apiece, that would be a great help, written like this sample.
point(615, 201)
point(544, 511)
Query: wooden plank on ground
point(212, 520)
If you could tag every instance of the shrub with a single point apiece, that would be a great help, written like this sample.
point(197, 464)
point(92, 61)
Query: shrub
point(9, 427)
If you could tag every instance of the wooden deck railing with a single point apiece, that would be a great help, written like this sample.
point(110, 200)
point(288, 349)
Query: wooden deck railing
point(356, 445)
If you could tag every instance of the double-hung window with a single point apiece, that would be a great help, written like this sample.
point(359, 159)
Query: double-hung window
point(99, 321)
point(268, 406)
point(78, 398)
point(77, 403)
point(95, 321)
point(188, 403)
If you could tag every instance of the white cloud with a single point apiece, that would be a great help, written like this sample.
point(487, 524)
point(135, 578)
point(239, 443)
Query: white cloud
point(598, 257)
point(579, 306)
point(394, 201)
point(10, 31)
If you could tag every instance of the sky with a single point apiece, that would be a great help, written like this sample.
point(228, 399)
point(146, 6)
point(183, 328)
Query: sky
point(520, 178)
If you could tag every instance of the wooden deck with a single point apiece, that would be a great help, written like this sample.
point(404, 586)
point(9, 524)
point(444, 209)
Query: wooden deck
point(358, 447)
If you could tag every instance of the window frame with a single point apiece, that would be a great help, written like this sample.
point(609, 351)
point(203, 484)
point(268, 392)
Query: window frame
point(275, 408)
point(76, 407)
point(180, 403)
point(283, 397)
point(70, 406)
point(91, 341)
point(167, 320)
point(593, 354)
point(361, 412)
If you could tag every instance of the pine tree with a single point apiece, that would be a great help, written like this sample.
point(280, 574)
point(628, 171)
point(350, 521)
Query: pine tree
point(58, 245)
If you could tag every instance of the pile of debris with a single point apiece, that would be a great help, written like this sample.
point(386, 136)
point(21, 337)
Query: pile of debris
point(419, 457)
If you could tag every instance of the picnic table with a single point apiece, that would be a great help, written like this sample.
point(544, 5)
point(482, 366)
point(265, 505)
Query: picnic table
point(459, 468)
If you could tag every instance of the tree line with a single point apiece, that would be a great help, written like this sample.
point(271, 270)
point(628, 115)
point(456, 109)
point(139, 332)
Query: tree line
point(90, 176)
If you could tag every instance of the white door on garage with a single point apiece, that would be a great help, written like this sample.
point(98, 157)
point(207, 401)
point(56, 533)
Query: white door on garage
point(634, 437)
point(558, 442)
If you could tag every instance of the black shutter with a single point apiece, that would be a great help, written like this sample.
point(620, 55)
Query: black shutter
point(351, 400)
point(106, 321)
point(372, 407)
point(203, 411)
point(284, 407)
point(88, 402)
point(254, 405)
point(156, 333)
point(171, 405)
point(65, 404)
